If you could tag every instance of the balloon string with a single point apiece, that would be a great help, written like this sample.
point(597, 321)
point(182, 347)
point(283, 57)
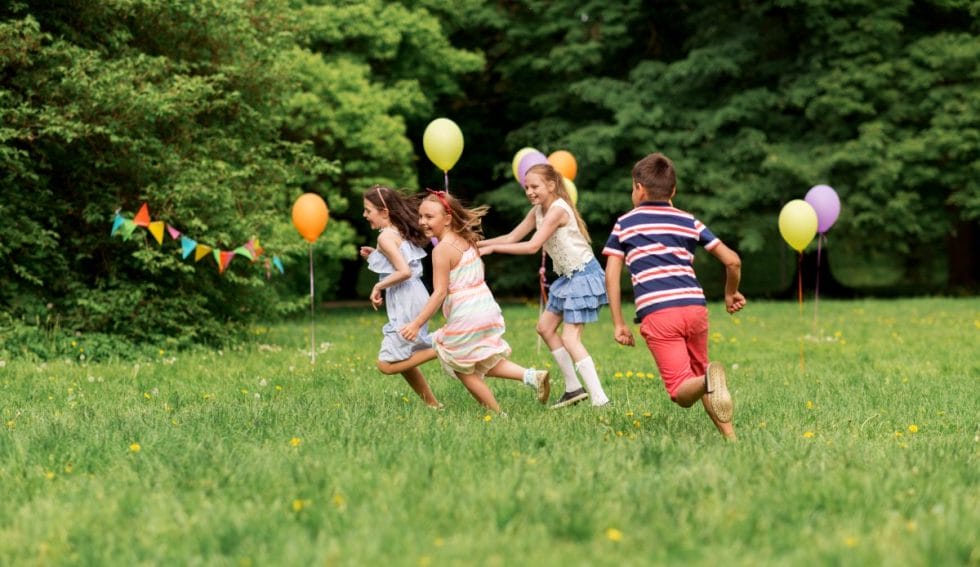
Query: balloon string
point(799, 295)
point(543, 298)
point(312, 321)
point(446, 180)
point(816, 289)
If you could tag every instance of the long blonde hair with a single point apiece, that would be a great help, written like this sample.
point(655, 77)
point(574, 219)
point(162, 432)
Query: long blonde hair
point(551, 175)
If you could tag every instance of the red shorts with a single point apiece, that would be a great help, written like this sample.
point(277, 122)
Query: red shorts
point(678, 339)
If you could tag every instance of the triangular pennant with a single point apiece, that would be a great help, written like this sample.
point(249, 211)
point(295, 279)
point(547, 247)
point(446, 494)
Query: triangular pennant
point(116, 223)
point(217, 257)
point(156, 229)
point(226, 258)
point(142, 218)
point(244, 251)
point(202, 251)
point(127, 228)
point(187, 245)
point(278, 264)
point(174, 233)
point(250, 246)
point(258, 247)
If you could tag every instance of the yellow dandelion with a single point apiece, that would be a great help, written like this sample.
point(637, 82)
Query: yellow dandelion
point(629, 373)
point(636, 423)
point(405, 399)
point(11, 424)
point(913, 428)
point(647, 414)
point(911, 526)
point(488, 417)
point(338, 500)
point(298, 505)
point(134, 448)
point(425, 561)
point(68, 468)
point(629, 413)
point(295, 442)
point(618, 375)
point(851, 541)
point(612, 534)
point(808, 435)
point(438, 542)
point(809, 405)
point(898, 434)
point(762, 425)
point(50, 475)
point(147, 395)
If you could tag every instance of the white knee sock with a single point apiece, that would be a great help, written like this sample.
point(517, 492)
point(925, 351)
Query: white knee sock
point(586, 368)
point(567, 367)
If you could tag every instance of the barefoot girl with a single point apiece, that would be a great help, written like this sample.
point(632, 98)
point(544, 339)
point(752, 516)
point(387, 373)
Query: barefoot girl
point(398, 261)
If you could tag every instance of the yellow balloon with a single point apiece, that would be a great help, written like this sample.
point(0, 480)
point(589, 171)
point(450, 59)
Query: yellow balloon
point(443, 143)
point(798, 223)
point(572, 191)
point(517, 161)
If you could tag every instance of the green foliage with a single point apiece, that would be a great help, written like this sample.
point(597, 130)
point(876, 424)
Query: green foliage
point(251, 455)
point(755, 102)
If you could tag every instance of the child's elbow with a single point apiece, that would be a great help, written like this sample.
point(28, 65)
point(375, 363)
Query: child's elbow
point(734, 262)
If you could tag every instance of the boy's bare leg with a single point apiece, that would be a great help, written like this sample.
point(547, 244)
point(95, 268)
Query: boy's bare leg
point(399, 367)
point(725, 429)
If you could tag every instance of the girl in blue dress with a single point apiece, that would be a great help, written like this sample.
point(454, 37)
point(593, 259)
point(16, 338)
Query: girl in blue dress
point(397, 260)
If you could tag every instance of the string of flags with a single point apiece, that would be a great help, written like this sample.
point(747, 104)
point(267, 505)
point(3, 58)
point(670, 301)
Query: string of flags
point(251, 249)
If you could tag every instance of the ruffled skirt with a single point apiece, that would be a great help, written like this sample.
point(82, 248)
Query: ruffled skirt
point(578, 297)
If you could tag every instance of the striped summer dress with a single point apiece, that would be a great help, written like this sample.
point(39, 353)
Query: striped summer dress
point(471, 341)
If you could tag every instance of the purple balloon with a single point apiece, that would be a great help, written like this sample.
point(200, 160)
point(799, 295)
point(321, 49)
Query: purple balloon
point(825, 202)
point(527, 162)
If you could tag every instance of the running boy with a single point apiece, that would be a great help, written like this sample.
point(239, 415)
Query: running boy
point(657, 242)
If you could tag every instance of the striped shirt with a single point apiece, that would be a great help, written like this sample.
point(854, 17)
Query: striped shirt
point(657, 243)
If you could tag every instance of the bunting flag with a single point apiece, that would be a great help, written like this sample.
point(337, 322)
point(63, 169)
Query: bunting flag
point(117, 224)
point(156, 229)
point(187, 246)
point(202, 251)
point(142, 218)
point(251, 249)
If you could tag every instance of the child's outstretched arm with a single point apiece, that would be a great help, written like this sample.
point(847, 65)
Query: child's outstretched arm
point(734, 300)
point(516, 235)
point(389, 243)
point(553, 219)
point(440, 289)
point(614, 269)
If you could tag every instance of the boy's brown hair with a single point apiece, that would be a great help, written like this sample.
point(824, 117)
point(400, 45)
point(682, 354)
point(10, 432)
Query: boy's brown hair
point(656, 174)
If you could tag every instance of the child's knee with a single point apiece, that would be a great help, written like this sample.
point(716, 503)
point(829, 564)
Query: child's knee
point(385, 367)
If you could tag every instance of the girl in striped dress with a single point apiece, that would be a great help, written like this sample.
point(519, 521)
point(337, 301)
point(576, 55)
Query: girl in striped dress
point(471, 344)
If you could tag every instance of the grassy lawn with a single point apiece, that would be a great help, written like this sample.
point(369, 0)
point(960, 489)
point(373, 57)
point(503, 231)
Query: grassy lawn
point(858, 428)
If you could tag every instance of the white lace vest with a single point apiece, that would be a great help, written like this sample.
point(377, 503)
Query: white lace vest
point(567, 246)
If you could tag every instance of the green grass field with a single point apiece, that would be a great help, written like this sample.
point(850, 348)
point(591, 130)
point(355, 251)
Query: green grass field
point(866, 455)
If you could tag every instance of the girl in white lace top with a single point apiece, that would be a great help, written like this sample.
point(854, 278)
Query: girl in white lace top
point(576, 296)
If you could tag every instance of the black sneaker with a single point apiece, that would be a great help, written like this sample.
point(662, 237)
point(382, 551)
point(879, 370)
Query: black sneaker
point(571, 398)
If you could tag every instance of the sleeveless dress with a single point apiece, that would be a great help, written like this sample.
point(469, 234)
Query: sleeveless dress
point(580, 290)
point(471, 341)
point(403, 303)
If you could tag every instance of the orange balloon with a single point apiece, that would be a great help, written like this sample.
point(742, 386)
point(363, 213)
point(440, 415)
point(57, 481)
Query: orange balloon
point(310, 216)
point(564, 162)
